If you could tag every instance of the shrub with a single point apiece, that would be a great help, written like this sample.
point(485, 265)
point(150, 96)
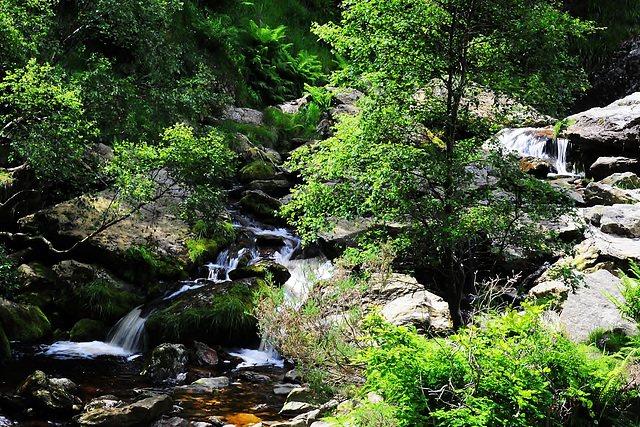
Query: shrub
point(509, 371)
point(629, 307)
point(9, 283)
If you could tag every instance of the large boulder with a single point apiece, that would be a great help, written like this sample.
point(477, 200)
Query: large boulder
point(108, 411)
point(262, 269)
point(605, 166)
point(152, 243)
point(403, 301)
point(50, 394)
point(588, 308)
point(24, 323)
point(241, 115)
point(616, 125)
point(622, 220)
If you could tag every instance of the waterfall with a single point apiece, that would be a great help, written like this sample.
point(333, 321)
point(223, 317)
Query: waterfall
point(227, 261)
point(129, 332)
point(539, 143)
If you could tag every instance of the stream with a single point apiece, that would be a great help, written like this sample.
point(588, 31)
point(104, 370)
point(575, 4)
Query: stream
point(114, 366)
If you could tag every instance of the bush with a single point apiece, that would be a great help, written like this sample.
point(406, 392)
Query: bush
point(509, 371)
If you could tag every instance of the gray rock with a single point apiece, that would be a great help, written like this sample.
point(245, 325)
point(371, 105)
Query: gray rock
point(296, 408)
point(284, 388)
point(588, 308)
point(606, 166)
point(246, 116)
point(616, 125)
point(624, 180)
point(551, 289)
point(167, 361)
point(113, 413)
point(597, 193)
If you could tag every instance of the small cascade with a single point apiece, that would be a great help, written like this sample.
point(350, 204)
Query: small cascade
point(539, 143)
point(129, 332)
point(228, 261)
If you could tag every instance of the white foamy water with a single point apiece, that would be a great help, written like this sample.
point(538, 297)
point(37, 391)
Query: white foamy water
point(538, 143)
point(85, 350)
point(253, 358)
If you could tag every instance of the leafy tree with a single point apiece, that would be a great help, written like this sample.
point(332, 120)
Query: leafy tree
point(409, 157)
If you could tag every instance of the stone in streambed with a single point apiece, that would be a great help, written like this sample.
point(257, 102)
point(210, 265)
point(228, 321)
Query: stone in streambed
point(49, 394)
point(108, 411)
point(167, 361)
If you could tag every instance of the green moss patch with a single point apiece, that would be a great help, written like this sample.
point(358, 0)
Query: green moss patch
point(87, 330)
point(24, 323)
point(256, 170)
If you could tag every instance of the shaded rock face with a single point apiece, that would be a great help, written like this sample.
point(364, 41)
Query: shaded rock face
point(49, 394)
point(108, 411)
point(597, 193)
point(536, 167)
point(166, 361)
point(605, 166)
point(619, 77)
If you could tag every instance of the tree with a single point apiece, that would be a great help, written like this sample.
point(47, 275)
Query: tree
point(410, 156)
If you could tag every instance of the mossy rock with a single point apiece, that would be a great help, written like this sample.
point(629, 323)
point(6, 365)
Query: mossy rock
point(207, 247)
point(36, 276)
point(262, 269)
point(87, 330)
point(5, 348)
point(262, 205)
point(24, 323)
point(256, 170)
point(217, 314)
point(93, 292)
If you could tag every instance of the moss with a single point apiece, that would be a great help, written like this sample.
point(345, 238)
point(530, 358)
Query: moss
point(211, 242)
point(142, 265)
point(5, 348)
point(87, 330)
point(227, 320)
point(256, 170)
point(24, 323)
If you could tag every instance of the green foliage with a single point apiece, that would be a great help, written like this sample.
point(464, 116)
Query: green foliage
point(410, 160)
point(104, 301)
point(629, 305)
point(195, 162)
point(9, 282)
point(43, 117)
point(510, 370)
point(144, 264)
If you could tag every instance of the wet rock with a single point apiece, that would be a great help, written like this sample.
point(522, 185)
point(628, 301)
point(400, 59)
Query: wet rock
point(254, 377)
point(181, 422)
point(110, 412)
point(204, 385)
point(293, 376)
point(203, 355)
point(262, 205)
point(24, 323)
point(536, 167)
point(166, 361)
point(50, 394)
point(284, 388)
point(261, 269)
point(275, 188)
point(597, 193)
point(606, 166)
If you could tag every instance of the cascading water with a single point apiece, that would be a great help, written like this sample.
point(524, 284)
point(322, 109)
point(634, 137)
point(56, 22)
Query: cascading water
point(539, 143)
point(129, 333)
